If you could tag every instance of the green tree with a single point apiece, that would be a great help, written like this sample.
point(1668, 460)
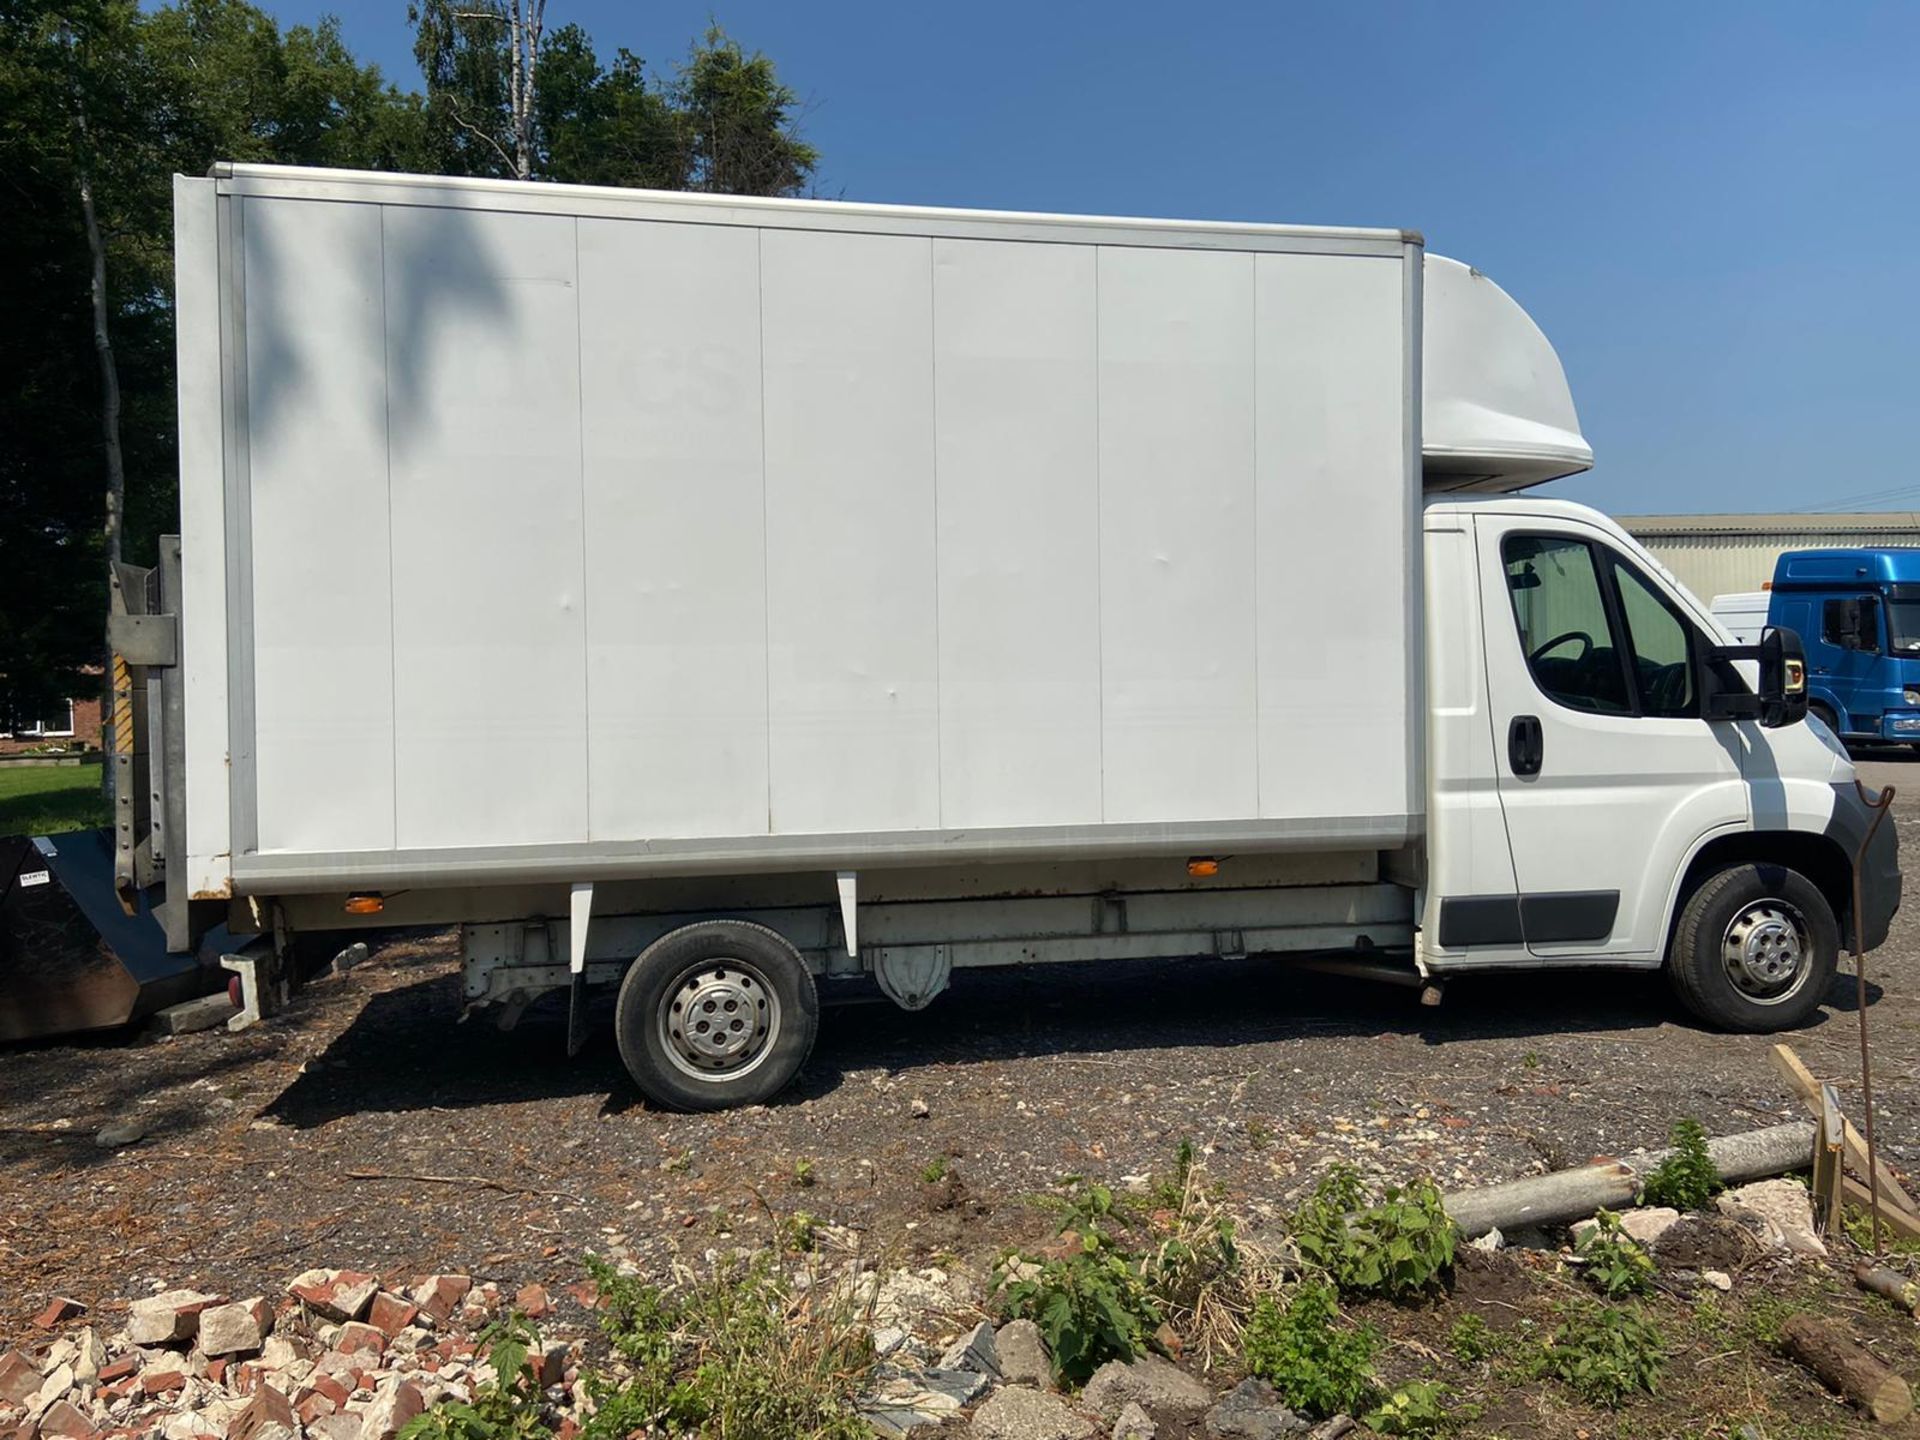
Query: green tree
point(462, 49)
point(60, 456)
point(725, 122)
point(605, 126)
point(741, 122)
point(102, 102)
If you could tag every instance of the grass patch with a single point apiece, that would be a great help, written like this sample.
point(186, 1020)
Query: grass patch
point(1471, 1340)
point(1859, 1227)
point(50, 799)
point(740, 1351)
point(743, 1350)
point(1124, 1265)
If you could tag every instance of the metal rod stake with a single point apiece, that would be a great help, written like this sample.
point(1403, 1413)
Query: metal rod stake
point(1879, 807)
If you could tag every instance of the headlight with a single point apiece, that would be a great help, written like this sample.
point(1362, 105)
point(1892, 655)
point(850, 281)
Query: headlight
point(1912, 697)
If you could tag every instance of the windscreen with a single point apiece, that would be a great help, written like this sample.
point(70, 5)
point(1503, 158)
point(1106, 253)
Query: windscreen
point(1903, 626)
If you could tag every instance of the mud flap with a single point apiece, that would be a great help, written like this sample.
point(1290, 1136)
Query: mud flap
point(577, 1014)
point(579, 917)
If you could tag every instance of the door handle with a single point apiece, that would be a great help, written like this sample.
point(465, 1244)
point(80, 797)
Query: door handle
point(1526, 744)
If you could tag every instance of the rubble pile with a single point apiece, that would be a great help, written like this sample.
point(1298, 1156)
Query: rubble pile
point(1001, 1381)
point(338, 1357)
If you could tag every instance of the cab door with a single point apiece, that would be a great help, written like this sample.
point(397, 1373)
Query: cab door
point(1608, 774)
point(1850, 661)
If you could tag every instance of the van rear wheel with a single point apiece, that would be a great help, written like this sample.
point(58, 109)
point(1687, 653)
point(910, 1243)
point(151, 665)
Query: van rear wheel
point(716, 1014)
point(1754, 949)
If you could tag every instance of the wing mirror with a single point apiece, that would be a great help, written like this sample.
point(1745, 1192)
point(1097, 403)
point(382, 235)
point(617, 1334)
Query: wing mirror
point(1781, 698)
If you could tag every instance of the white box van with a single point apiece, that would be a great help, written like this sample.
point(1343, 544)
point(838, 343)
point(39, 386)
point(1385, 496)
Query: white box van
point(712, 595)
point(1744, 615)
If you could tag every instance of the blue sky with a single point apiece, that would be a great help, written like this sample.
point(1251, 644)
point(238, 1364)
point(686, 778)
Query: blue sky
point(1711, 208)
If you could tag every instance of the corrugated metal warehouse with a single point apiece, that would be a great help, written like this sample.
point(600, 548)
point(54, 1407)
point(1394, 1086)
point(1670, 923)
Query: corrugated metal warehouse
point(1722, 554)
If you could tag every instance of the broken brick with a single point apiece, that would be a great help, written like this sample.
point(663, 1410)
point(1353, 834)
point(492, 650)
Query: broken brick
point(120, 1369)
point(268, 1416)
point(340, 1295)
point(321, 1383)
point(59, 1310)
point(162, 1379)
point(19, 1378)
point(169, 1317)
point(67, 1420)
point(312, 1405)
point(438, 1296)
point(356, 1336)
point(533, 1302)
point(237, 1328)
point(395, 1403)
point(390, 1313)
point(587, 1293)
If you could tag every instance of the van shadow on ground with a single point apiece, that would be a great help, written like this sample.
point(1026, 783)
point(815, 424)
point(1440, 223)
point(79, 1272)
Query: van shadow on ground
point(405, 1051)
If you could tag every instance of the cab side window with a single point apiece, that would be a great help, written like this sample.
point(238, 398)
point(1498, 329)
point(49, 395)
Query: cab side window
point(1597, 634)
point(1852, 624)
point(1660, 645)
point(1561, 610)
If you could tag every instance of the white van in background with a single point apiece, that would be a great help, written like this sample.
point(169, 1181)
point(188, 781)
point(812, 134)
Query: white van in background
point(1744, 615)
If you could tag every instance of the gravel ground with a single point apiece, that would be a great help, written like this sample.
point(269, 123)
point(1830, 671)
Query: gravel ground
point(366, 1128)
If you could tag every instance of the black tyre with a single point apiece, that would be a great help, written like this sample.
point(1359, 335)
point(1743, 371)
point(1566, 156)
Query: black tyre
point(1827, 717)
point(1754, 949)
point(716, 1014)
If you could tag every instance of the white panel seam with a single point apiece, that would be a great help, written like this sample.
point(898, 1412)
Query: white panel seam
point(766, 526)
point(1099, 542)
point(933, 461)
point(243, 744)
point(1253, 527)
point(586, 621)
point(393, 632)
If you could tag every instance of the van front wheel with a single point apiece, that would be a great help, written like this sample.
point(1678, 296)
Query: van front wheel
point(1754, 949)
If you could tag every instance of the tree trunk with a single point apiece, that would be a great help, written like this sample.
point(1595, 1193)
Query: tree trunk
point(525, 24)
point(102, 340)
point(116, 505)
point(1844, 1364)
point(515, 30)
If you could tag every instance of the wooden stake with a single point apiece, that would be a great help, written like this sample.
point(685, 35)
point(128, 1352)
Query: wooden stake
point(1802, 1083)
point(1827, 1147)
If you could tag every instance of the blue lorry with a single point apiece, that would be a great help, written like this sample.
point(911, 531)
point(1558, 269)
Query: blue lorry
point(1858, 613)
